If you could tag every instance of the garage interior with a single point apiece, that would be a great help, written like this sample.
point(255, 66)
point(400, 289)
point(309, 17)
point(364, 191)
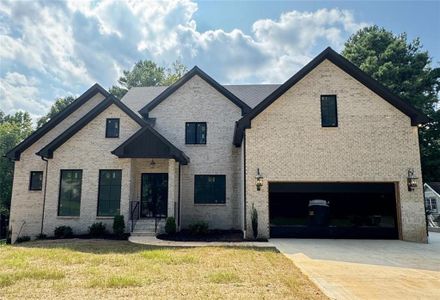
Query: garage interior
point(333, 210)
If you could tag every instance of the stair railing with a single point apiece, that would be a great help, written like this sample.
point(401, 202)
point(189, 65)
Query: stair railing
point(134, 213)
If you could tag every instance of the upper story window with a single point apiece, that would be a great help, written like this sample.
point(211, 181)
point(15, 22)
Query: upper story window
point(112, 128)
point(195, 133)
point(329, 111)
point(70, 193)
point(36, 181)
point(209, 189)
point(431, 204)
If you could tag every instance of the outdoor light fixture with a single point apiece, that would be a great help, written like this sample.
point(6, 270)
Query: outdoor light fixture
point(412, 180)
point(258, 180)
point(152, 163)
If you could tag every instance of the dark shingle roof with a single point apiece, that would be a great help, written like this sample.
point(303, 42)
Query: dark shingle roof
point(435, 186)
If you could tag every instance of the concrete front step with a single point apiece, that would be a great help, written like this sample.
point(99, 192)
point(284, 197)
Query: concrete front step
point(147, 227)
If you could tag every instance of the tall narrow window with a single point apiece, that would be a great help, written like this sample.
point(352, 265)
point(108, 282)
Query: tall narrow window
point(70, 193)
point(109, 196)
point(329, 111)
point(36, 181)
point(209, 189)
point(112, 128)
point(195, 133)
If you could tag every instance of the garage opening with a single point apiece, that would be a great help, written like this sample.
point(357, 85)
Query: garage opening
point(333, 210)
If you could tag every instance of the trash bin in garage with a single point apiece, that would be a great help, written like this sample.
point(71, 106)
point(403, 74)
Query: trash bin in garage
point(319, 212)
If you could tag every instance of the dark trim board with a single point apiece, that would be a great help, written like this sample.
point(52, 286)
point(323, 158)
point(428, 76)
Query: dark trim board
point(48, 150)
point(54, 121)
point(416, 116)
point(194, 71)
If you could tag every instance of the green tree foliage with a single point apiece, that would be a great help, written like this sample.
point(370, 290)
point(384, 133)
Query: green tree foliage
point(406, 70)
point(147, 73)
point(58, 106)
point(13, 129)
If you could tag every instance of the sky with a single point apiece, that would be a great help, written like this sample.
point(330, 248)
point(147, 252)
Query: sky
point(51, 49)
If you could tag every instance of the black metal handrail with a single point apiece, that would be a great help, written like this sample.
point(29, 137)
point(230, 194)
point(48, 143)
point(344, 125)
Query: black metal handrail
point(134, 213)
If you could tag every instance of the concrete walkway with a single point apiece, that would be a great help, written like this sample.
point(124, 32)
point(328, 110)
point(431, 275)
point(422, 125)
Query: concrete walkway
point(153, 241)
point(368, 269)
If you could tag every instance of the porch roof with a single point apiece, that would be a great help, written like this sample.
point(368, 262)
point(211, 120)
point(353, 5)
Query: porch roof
point(148, 143)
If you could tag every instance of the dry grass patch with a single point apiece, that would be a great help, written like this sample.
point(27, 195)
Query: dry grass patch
point(98, 269)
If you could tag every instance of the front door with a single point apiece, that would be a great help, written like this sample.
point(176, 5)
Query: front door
point(154, 195)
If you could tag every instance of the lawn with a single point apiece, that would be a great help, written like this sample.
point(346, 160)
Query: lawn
point(91, 269)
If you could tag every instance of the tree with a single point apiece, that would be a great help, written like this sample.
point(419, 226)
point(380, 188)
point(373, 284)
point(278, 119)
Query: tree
point(13, 129)
point(147, 73)
point(58, 106)
point(406, 70)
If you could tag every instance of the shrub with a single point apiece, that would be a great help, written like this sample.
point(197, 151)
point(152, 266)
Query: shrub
point(170, 225)
point(97, 229)
point(22, 239)
point(62, 232)
point(254, 218)
point(118, 225)
point(198, 228)
point(41, 236)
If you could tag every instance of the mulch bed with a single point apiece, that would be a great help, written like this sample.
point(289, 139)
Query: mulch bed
point(211, 236)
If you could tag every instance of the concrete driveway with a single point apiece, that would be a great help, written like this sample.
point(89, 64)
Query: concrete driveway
point(368, 269)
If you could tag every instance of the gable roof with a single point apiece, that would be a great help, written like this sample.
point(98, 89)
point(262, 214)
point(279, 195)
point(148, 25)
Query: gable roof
point(148, 143)
point(48, 150)
point(416, 116)
point(194, 71)
point(435, 186)
point(55, 120)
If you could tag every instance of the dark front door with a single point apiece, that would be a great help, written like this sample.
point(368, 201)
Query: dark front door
point(154, 195)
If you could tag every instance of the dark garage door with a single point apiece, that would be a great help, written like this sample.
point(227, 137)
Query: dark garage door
point(343, 210)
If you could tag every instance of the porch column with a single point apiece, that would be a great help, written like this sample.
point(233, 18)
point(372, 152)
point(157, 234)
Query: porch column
point(172, 187)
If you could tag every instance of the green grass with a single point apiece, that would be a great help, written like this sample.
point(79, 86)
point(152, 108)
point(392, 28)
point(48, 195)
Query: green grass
point(93, 269)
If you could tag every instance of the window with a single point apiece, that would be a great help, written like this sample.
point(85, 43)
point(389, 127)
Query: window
point(195, 133)
point(209, 189)
point(112, 128)
point(70, 193)
point(329, 112)
point(36, 181)
point(431, 204)
point(109, 195)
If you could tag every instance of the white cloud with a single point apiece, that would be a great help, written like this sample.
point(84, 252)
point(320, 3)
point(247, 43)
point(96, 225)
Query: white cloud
point(68, 46)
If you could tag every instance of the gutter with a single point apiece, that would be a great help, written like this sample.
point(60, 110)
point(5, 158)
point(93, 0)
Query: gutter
point(44, 194)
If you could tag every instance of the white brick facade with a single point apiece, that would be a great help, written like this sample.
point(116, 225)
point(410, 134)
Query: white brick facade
point(374, 142)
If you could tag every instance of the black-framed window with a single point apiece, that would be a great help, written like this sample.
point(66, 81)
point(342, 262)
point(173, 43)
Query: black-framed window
point(36, 181)
point(195, 133)
point(209, 189)
point(112, 128)
point(329, 111)
point(109, 195)
point(69, 203)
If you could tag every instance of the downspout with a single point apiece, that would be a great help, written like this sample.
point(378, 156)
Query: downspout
point(244, 184)
point(178, 199)
point(44, 194)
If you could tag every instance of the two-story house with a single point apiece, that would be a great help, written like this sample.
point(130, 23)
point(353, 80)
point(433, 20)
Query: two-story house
point(329, 153)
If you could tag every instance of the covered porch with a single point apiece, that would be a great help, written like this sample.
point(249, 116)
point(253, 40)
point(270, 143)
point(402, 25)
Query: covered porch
point(154, 179)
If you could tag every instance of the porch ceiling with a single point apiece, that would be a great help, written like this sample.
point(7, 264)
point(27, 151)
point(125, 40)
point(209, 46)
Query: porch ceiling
point(148, 143)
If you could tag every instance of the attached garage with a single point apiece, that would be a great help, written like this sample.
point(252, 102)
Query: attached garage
point(333, 210)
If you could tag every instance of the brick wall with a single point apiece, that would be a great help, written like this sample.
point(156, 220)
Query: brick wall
point(374, 142)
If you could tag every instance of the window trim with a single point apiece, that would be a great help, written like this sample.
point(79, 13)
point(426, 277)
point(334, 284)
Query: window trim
point(194, 193)
point(336, 111)
point(99, 192)
point(106, 127)
point(30, 181)
point(59, 193)
point(206, 133)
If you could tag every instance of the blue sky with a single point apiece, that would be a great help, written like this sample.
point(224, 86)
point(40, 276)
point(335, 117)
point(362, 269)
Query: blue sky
point(51, 49)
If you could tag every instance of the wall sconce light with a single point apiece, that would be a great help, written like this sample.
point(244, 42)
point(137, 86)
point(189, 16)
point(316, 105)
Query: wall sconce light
point(152, 163)
point(258, 180)
point(412, 180)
